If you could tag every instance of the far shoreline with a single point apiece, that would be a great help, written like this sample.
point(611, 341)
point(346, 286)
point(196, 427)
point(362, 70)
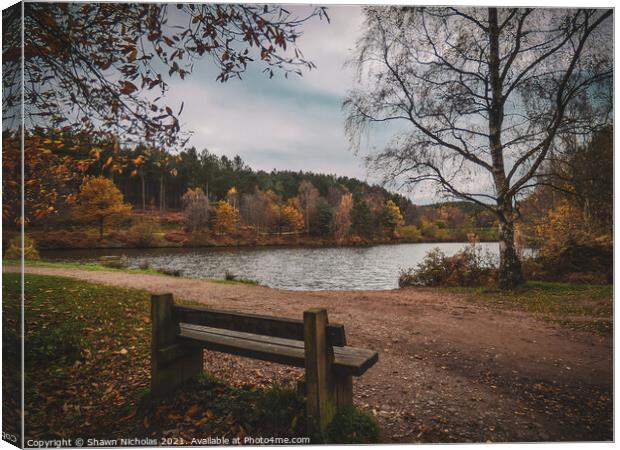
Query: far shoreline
point(252, 246)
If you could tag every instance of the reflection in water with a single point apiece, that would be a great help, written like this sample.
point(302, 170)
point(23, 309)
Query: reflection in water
point(337, 268)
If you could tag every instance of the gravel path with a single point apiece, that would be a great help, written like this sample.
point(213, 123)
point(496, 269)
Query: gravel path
point(448, 371)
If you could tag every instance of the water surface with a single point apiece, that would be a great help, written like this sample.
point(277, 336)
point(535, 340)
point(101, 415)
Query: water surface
point(334, 268)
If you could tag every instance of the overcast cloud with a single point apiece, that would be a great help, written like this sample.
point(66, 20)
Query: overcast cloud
point(293, 123)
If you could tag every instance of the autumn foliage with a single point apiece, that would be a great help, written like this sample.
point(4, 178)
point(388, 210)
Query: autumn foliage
point(225, 217)
point(99, 199)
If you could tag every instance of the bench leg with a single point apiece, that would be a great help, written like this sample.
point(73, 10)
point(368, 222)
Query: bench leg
point(344, 390)
point(320, 392)
point(166, 377)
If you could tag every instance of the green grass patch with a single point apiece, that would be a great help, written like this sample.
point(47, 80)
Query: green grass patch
point(101, 268)
point(80, 266)
point(577, 306)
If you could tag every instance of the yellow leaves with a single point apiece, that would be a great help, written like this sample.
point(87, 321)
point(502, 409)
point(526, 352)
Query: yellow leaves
point(99, 198)
point(226, 217)
point(291, 215)
point(132, 55)
point(95, 152)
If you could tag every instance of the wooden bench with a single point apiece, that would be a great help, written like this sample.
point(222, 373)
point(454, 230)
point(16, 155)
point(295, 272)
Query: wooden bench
point(180, 333)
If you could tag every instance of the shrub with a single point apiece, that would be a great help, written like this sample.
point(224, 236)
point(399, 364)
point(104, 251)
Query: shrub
point(352, 426)
point(469, 267)
point(15, 248)
point(170, 272)
point(199, 239)
point(229, 276)
point(573, 261)
point(144, 234)
point(117, 262)
point(177, 236)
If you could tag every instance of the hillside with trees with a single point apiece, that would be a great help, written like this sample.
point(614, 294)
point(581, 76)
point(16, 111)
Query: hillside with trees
point(197, 198)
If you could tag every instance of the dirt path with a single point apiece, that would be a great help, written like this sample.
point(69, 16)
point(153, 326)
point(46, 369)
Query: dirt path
point(448, 370)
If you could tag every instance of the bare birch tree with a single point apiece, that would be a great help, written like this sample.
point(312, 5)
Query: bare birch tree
point(478, 98)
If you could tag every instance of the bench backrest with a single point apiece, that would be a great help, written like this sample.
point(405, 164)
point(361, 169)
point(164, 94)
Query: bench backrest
point(253, 323)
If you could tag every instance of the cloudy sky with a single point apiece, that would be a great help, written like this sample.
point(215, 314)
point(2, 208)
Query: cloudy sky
point(293, 123)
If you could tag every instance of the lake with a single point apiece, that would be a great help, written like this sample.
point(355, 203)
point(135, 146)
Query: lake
point(295, 268)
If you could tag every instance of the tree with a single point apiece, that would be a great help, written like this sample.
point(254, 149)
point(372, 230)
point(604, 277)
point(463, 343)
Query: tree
point(99, 199)
point(291, 215)
point(583, 176)
point(256, 209)
point(391, 218)
point(196, 208)
point(88, 65)
point(361, 218)
point(102, 69)
point(225, 217)
point(51, 176)
point(308, 196)
point(232, 197)
point(322, 220)
point(341, 221)
point(482, 96)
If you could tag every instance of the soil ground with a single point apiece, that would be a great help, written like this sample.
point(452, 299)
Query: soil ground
point(449, 370)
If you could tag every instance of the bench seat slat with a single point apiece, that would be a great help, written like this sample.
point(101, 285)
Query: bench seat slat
point(347, 360)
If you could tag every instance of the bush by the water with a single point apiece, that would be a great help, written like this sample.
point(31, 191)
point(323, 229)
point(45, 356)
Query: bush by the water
point(469, 267)
point(144, 234)
point(116, 262)
point(15, 249)
point(573, 261)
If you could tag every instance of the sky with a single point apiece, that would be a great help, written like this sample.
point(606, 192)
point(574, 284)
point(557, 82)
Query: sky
point(295, 123)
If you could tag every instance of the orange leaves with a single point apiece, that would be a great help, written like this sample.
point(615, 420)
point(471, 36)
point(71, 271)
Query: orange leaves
point(99, 199)
point(95, 152)
point(46, 171)
point(127, 87)
point(193, 410)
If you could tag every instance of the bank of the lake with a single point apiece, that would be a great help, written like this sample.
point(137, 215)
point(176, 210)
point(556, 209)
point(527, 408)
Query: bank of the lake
point(120, 237)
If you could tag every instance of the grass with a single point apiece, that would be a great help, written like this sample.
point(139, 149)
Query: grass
point(88, 365)
point(576, 306)
point(80, 266)
point(101, 268)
